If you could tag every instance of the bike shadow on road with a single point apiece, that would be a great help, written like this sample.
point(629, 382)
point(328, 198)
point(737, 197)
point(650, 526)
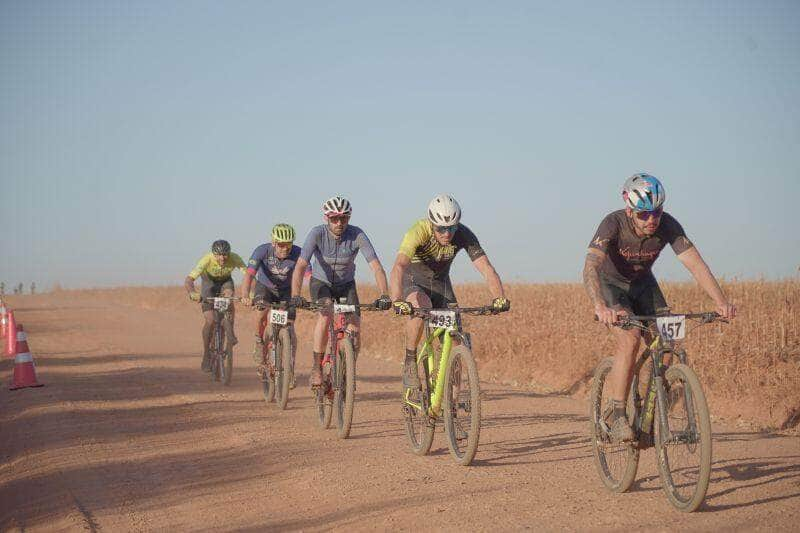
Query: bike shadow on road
point(761, 471)
point(568, 446)
point(751, 472)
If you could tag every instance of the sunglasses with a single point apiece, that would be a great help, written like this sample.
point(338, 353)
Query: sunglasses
point(647, 215)
point(445, 229)
point(341, 219)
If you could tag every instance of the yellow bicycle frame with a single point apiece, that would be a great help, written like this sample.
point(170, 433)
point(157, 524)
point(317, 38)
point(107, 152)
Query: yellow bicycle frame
point(427, 354)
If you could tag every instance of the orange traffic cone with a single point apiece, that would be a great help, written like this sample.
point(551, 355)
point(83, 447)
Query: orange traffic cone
point(24, 371)
point(11, 338)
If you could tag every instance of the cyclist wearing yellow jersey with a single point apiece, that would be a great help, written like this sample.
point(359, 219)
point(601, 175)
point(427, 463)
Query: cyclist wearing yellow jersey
point(421, 273)
point(214, 269)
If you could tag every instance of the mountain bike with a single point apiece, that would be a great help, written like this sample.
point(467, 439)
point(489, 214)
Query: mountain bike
point(337, 392)
point(451, 390)
point(276, 367)
point(672, 415)
point(220, 355)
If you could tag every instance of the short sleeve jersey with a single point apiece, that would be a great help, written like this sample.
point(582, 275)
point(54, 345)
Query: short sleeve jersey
point(431, 259)
point(334, 260)
point(208, 266)
point(630, 257)
point(270, 270)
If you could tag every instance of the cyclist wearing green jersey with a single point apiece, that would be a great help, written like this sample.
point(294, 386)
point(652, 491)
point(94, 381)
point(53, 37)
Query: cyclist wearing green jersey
point(619, 281)
point(421, 273)
point(214, 269)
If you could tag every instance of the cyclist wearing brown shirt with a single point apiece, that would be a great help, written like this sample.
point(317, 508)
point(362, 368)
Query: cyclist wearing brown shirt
point(619, 281)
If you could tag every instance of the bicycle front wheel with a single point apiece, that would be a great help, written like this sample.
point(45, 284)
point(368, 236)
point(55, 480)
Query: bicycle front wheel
point(616, 462)
point(323, 401)
point(344, 398)
point(684, 446)
point(282, 376)
point(462, 405)
point(419, 425)
point(217, 346)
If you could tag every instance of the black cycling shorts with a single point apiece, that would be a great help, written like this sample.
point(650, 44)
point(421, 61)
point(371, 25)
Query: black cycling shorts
point(264, 296)
point(440, 291)
point(642, 297)
point(320, 290)
point(211, 288)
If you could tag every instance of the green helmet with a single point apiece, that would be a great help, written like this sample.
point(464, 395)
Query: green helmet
point(283, 233)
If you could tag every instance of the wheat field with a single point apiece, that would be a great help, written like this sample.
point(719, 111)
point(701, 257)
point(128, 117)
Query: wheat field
point(549, 343)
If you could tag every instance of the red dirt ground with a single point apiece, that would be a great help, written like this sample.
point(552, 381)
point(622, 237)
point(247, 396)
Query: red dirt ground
point(128, 434)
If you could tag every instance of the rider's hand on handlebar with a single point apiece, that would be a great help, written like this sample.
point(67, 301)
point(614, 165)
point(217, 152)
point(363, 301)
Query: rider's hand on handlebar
point(194, 296)
point(297, 301)
point(383, 303)
point(402, 307)
point(501, 304)
point(247, 302)
point(607, 315)
point(727, 310)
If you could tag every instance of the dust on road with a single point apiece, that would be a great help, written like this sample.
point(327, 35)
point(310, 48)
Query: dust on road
point(128, 434)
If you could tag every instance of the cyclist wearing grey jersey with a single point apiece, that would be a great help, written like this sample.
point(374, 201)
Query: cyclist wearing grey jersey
point(619, 281)
point(334, 247)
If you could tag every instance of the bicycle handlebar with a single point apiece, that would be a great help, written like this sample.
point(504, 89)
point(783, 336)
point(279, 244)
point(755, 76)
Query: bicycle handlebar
point(212, 298)
point(629, 321)
point(424, 312)
point(315, 306)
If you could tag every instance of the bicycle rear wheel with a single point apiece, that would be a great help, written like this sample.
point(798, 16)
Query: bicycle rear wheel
point(462, 405)
point(283, 376)
point(616, 462)
point(419, 425)
point(323, 400)
point(227, 365)
point(215, 351)
point(344, 398)
point(684, 451)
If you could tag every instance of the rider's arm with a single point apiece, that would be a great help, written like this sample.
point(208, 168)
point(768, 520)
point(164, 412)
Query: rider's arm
point(246, 282)
point(297, 276)
point(488, 272)
point(591, 282)
point(380, 276)
point(396, 277)
point(196, 272)
point(188, 284)
point(695, 264)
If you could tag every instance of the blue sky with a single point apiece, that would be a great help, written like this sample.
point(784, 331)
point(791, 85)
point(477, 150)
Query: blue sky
point(134, 134)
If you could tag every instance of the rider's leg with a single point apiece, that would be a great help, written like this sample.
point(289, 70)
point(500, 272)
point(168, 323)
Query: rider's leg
point(627, 348)
point(413, 334)
point(320, 341)
point(208, 328)
point(227, 292)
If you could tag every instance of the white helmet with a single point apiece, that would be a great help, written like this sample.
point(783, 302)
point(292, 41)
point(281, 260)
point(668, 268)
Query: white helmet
point(444, 211)
point(336, 205)
point(643, 192)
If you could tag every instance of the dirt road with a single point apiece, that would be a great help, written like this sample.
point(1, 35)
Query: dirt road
point(128, 434)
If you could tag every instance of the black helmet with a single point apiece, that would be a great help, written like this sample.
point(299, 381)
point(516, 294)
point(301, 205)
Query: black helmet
point(221, 247)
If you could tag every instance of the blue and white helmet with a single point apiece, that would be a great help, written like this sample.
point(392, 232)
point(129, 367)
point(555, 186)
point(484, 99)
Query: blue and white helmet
point(643, 192)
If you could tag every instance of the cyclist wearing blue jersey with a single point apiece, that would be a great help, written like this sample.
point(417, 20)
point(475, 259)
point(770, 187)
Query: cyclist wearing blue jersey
point(334, 246)
point(272, 265)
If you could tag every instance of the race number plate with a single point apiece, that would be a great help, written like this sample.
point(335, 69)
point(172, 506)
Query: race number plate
point(443, 319)
point(221, 304)
point(344, 308)
point(277, 316)
point(672, 328)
